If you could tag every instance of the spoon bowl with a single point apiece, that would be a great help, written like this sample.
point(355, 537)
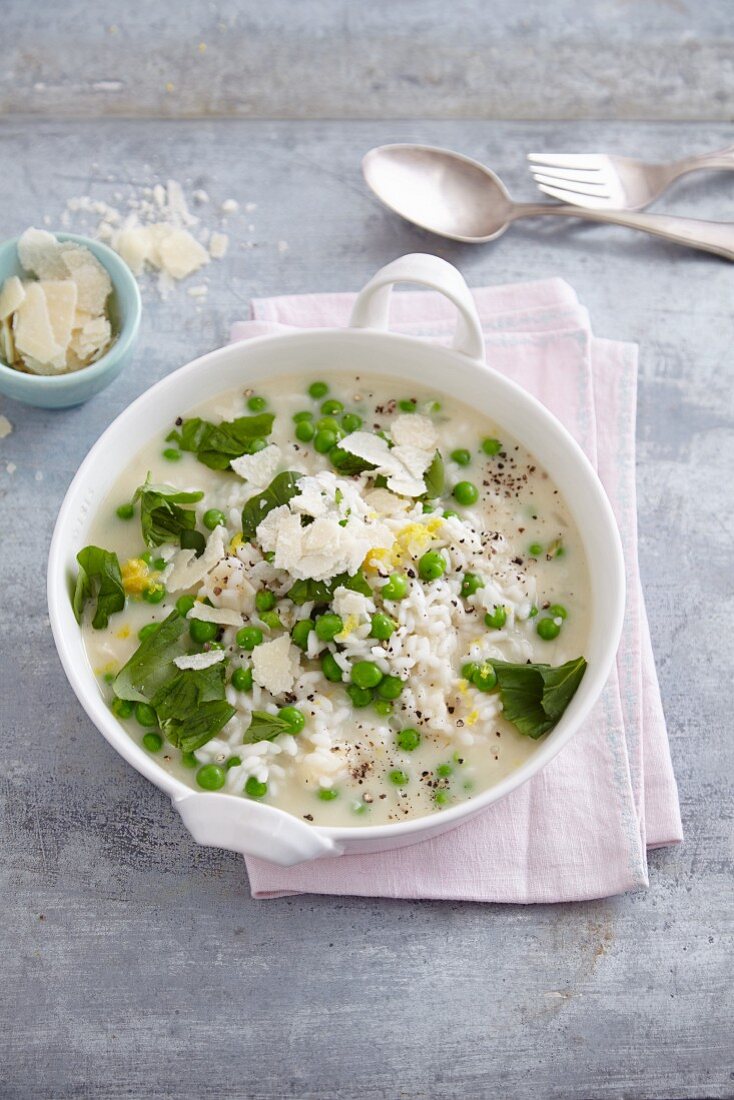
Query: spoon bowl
point(439, 190)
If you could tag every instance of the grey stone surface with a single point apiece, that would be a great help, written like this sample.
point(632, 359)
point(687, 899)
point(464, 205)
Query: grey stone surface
point(657, 59)
point(134, 963)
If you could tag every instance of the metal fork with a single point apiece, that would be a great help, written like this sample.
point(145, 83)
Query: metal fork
point(601, 182)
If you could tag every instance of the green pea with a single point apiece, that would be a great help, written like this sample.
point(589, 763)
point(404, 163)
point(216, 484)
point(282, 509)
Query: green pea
point(294, 717)
point(496, 618)
point(153, 742)
point(256, 404)
point(408, 739)
point(491, 446)
point(383, 708)
point(535, 549)
point(407, 405)
point(213, 517)
point(351, 422)
point(300, 633)
point(188, 759)
point(427, 508)
point(147, 630)
point(466, 493)
point(172, 454)
point(257, 444)
point(382, 627)
point(361, 697)
point(108, 677)
point(154, 593)
point(329, 424)
point(398, 777)
point(324, 441)
point(485, 678)
point(126, 511)
point(441, 797)
point(123, 708)
point(469, 670)
point(339, 458)
point(249, 636)
point(265, 600)
point(444, 770)
point(328, 626)
point(332, 407)
point(317, 390)
point(202, 632)
point(359, 808)
point(299, 417)
point(461, 457)
point(431, 566)
point(184, 605)
point(147, 557)
point(557, 611)
point(271, 619)
point(328, 794)
point(145, 715)
point(548, 629)
point(305, 431)
point(390, 687)
point(449, 513)
point(233, 762)
point(160, 564)
point(211, 777)
point(255, 789)
point(470, 582)
point(242, 679)
point(366, 674)
point(331, 669)
point(395, 587)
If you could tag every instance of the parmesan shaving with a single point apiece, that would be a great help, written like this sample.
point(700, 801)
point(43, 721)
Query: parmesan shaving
point(200, 661)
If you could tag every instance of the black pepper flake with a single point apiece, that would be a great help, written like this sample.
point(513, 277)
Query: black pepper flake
point(179, 421)
point(308, 817)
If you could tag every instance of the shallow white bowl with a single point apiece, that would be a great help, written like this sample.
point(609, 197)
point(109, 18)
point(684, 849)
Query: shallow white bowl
point(243, 825)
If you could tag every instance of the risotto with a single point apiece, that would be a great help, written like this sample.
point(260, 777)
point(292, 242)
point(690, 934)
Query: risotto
point(355, 604)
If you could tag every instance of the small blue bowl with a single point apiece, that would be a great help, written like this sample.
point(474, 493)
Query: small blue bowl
point(125, 309)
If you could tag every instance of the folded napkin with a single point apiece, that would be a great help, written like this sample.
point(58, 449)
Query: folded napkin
point(581, 828)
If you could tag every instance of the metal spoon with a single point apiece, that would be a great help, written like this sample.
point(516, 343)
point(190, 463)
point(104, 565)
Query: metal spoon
point(460, 198)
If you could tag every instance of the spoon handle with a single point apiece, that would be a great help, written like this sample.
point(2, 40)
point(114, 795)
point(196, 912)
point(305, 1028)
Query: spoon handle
point(715, 237)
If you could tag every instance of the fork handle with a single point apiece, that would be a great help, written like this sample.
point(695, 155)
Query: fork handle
point(715, 237)
point(721, 158)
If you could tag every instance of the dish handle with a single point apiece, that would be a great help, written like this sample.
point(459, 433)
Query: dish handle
point(372, 307)
point(247, 827)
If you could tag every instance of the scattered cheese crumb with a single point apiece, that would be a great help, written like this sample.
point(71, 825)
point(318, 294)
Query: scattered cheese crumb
point(258, 469)
point(5, 429)
point(218, 245)
point(230, 206)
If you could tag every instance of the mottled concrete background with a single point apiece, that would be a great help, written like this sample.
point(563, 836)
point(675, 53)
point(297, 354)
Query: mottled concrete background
point(568, 59)
point(134, 964)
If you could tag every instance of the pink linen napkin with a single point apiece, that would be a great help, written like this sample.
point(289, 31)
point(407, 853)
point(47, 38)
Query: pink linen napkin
point(581, 828)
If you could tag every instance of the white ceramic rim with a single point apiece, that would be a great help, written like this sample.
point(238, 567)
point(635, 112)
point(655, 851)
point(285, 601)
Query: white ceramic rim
point(587, 695)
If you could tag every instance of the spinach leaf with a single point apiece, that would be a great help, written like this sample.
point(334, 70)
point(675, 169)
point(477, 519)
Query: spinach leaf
point(193, 540)
point(347, 463)
point(217, 444)
point(304, 591)
point(99, 571)
point(161, 517)
point(321, 591)
point(535, 696)
point(434, 477)
point(151, 665)
point(191, 706)
point(279, 491)
point(264, 727)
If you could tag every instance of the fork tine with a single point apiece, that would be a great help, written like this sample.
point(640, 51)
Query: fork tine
point(580, 175)
point(574, 198)
point(579, 187)
point(567, 160)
